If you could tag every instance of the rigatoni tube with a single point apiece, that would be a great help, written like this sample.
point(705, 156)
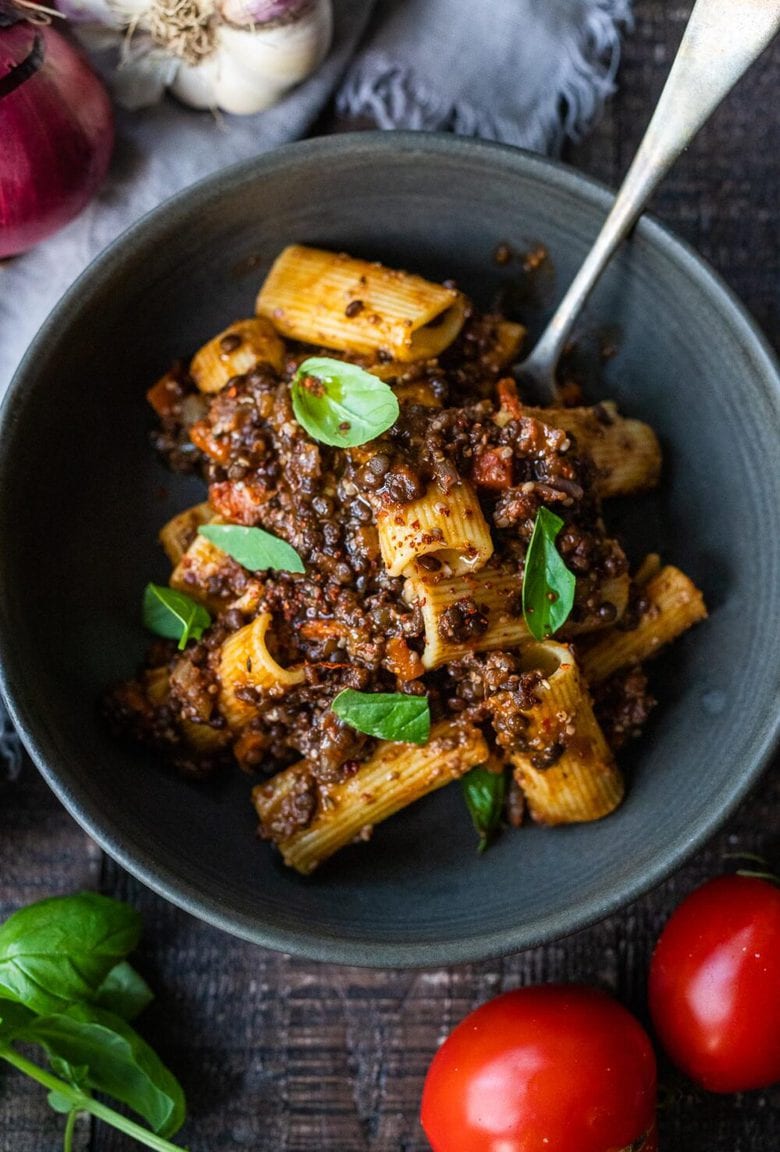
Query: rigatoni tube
point(674, 604)
point(245, 662)
point(202, 573)
point(393, 777)
point(448, 526)
point(333, 300)
point(566, 769)
point(236, 351)
point(482, 612)
point(626, 452)
point(180, 531)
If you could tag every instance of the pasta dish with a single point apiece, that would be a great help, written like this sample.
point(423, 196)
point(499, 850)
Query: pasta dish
point(400, 575)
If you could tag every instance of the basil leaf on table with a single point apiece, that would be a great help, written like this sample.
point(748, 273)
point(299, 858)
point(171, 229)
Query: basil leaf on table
point(484, 793)
point(60, 950)
point(123, 992)
point(117, 1062)
point(548, 585)
point(58, 957)
point(253, 548)
point(13, 1018)
point(340, 404)
point(170, 613)
point(387, 715)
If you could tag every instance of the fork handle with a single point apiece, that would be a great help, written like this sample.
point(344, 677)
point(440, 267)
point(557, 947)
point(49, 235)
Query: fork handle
point(721, 41)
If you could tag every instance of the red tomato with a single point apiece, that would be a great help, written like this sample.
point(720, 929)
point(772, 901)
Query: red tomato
point(552, 1069)
point(715, 985)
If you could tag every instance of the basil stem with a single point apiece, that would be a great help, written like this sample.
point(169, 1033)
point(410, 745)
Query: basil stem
point(85, 1103)
point(70, 1124)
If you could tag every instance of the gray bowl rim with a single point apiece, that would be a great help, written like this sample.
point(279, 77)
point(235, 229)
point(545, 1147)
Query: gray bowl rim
point(104, 829)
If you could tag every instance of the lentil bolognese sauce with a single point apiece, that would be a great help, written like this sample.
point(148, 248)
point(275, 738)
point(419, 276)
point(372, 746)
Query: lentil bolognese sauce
point(400, 574)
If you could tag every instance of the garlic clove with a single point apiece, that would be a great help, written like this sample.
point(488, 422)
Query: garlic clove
point(196, 84)
point(218, 83)
point(249, 69)
point(285, 53)
point(242, 91)
point(234, 95)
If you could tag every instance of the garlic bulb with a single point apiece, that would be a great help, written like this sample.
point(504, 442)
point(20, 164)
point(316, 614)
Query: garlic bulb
point(239, 56)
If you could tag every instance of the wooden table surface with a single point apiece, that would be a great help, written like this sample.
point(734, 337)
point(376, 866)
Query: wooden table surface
point(281, 1055)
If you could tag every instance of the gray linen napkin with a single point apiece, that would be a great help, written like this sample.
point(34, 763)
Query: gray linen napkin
point(527, 72)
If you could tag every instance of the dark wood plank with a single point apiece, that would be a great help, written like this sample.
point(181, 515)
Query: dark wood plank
point(279, 1055)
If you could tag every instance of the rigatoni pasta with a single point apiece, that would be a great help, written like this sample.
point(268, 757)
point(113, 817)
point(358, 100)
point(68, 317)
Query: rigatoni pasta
point(447, 528)
point(235, 351)
point(565, 767)
point(178, 534)
point(204, 573)
point(408, 573)
point(626, 453)
point(671, 603)
point(393, 777)
point(245, 662)
point(334, 300)
point(482, 612)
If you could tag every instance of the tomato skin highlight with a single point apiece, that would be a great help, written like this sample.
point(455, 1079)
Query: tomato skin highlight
point(715, 985)
point(556, 1067)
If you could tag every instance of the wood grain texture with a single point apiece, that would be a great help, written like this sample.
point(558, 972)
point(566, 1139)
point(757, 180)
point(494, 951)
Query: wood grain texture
point(281, 1055)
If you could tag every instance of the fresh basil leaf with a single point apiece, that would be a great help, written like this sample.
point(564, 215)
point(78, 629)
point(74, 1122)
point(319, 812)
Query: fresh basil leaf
point(123, 992)
point(484, 793)
point(74, 1074)
point(548, 585)
point(117, 1060)
point(340, 404)
point(253, 548)
point(172, 614)
point(387, 715)
point(13, 1017)
point(60, 950)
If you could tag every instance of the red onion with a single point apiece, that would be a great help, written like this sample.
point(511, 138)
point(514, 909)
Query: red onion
point(56, 131)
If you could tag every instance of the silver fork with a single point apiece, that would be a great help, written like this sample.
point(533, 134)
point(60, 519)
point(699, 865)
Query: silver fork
point(721, 41)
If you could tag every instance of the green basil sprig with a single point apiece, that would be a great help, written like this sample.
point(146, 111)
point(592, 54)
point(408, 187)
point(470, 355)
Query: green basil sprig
point(484, 793)
point(170, 613)
point(548, 585)
point(340, 404)
point(386, 715)
point(63, 949)
point(117, 1062)
point(124, 992)
point(253, 548)
point(66, 987)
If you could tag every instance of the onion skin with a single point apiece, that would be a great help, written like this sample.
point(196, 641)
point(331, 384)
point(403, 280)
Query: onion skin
point(57, 133)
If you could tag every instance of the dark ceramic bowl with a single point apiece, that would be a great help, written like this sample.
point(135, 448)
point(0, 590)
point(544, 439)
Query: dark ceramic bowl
point(83, 497)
